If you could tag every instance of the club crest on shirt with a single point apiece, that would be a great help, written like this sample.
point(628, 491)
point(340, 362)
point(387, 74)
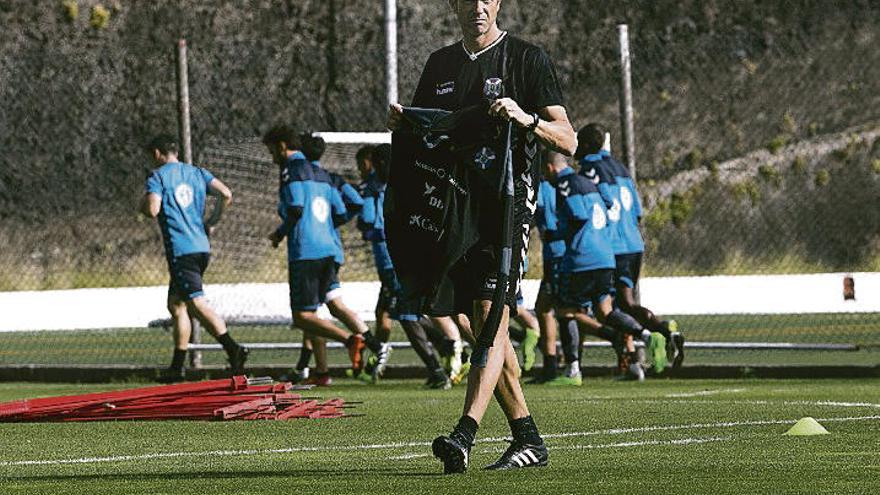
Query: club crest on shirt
point(183, 194)
point(599, 219)
point(484, 158)
point(320, 209)
point(445, 88)
point(614, 211)
point(626, 198)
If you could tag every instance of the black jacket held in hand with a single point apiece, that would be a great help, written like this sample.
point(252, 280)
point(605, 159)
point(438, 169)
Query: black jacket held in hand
point(445, 167)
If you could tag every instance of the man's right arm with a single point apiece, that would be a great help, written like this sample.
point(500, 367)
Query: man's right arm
point(395, 110)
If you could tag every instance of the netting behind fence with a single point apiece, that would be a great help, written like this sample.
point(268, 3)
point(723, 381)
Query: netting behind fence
point(756, 132)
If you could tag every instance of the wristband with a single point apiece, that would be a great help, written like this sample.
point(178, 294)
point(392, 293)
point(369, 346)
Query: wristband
point(535, 121)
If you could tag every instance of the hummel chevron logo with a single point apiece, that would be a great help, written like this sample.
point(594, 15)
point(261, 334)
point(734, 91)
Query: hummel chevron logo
point(564, 188)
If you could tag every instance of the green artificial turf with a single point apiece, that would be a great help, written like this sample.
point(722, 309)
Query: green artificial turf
point(661, 436)
point(152, 347)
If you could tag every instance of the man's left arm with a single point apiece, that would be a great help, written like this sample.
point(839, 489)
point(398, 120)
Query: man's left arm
point(550, 124)
point(151, 201)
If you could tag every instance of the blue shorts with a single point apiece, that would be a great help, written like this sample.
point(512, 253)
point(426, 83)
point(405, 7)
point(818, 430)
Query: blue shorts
point(186, 275)
point(310, 281)
point(629, 266)
point(586, 289)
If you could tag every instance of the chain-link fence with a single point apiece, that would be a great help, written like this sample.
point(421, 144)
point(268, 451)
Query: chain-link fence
point(756, 132)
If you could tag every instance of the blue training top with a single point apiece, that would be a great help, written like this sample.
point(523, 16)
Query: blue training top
point(546, 218)
point(584, 224)
point(307, 193)
point(601, 172)
point(631, 208)
point(371, 221)
point(350, 198)
point(183, 189)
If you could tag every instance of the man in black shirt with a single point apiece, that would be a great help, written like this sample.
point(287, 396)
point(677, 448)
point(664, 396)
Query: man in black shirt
point(454, 78)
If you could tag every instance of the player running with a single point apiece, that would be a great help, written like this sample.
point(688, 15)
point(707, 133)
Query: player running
point(587, 269)
point(313, 147)
point(624, 213)
point(175, 193)
point(310, 208)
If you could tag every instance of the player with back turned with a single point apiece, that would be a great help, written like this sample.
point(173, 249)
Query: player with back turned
point(175, 193)
point(310, 208)
point(617, 189)
point(454, 78)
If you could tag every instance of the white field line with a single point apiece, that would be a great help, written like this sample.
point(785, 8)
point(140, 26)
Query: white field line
point(820, 403)
point(252, 452)
point(680, 441)
point(706, 392)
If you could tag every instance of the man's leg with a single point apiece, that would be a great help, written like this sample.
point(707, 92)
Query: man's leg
point(383, 325)
point(309, 321)
point(437, 378)
point(668, 329)
point(451, 348)
point(499, 378)
point(182, 330)
point(321, 377)
point(237, 354)
point(531, 335)
point(482, 381)
point(622, 322)
point(353, 322)
point(301, 372)
point(548, 325)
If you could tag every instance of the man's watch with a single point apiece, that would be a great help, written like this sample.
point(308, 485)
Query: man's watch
point(535, 121)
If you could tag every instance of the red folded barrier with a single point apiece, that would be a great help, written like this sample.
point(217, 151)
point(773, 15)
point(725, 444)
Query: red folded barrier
point(237, 398)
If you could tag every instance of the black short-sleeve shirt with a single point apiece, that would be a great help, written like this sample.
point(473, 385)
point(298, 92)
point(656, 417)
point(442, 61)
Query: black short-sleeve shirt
point(453, 79)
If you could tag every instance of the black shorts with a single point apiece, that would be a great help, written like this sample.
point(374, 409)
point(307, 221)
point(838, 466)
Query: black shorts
point(475, 276)
point(186, 275)
point(550, 281)
point(586, 289)
point(629, 266)
point(310, 281)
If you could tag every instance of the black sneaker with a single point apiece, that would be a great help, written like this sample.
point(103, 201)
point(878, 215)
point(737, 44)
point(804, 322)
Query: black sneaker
point(452, 452)
point(172, 375)
point(295, 376)
point(520, 455)
point(438, 381)
point(675, 345)
point(237, 360)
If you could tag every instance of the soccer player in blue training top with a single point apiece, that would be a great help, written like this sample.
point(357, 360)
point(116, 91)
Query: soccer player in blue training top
point(587, 270)
point(175, 193)
point(313, 147)
point(310, 208)
point(555, 166)
point(624, 213)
